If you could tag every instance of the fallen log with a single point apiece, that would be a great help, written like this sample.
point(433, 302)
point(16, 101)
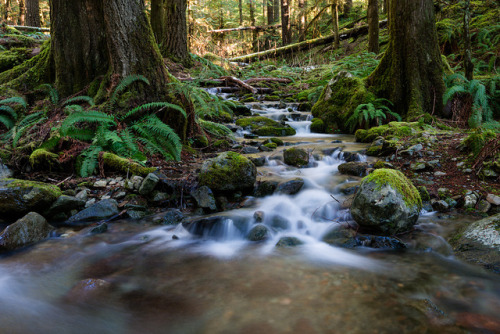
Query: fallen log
point(280, 80)
point(240, 83)
point(258, 28)
point(28, 28)
point(354, 32)
point(237, 89)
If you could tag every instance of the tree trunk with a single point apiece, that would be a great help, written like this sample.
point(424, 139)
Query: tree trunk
point(240, 10)
point(410, 72)
point(107, 39)
point(286, 33)
point(251, 7)
point(373, 26)
point(302, 20)
point(158, 19)
point(335, 22)
point(386, 5)
point(347, 7)
point(33, 13)
point(270, 12)
point(174, 44)
point(468, 65)
point(276, 10)
point(22, 10)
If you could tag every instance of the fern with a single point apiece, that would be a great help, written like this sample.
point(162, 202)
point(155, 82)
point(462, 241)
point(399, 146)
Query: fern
point(127, 81)
point(91, 116)
point(368, 113)
point(7, 121)
point(215, 129)
point(151, 106)
point(15, 100)
point(24, 126)
point(89, 161)
point(77, 99)
point(52, 91)
point(156, 134)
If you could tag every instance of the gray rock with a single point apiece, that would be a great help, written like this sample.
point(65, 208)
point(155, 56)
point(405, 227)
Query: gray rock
point(27, 230)
point(90, 202)
point(19, 197)
point(258, 160)
point(354, 168)
point(159, 197)
point(100, 184)
point(135, 182)
point(99, 229)
point(136, 214)
point(382, 208)
point(412, 150)
point(348, 188)
point(204, 197)
point(289, 242)
point(438, 174)
point(440, 206)
point(258, 216)
point(279, 222)
point(418, 167)
point(265, 188)
point(148, 184)
point(65, 204)
point(229, 171)
point(493, 199)
point(341, 237)
point(101, 210)
point(120, 195)
point(83, 195)
point(290, 187)
point(249, 150)
point(296, 157)
point(173, 217)
point(483, 206)
point(258, 233)
point(470, 200)
point(5, 172)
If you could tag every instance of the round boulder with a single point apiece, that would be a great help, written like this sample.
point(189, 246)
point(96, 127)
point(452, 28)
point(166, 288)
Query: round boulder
point(387, 203)
point(296, 157)
point(229, 171)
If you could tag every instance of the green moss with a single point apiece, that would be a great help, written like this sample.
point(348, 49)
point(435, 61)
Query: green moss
point(446, 66)
point(393, 129)
point(47, 189)
point(271, 145)
point(249, 99)
point(374, 151)
point(275, 131)
point(476, 141)
point(277, 141)
point(125, 166)
point(263, 126)
point(272, 98)
point(13, 57)
point(41, 157)
point(317, 126)
point(221, 143)
point(398, 182)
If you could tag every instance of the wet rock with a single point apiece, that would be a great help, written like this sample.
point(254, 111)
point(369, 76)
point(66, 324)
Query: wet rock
point(348, 188)
point(229, 171)
point(427, 242)
point(419, 167)
point(135, 182)
point(258, 216)
point(173, 217)
point(340, 236)
point(82, 195)
point(351, 156)
point(483, 206)
point(440, 205)
point(470, 200)
point(101, 210)
point(354, 168)
point(19, 197)
point(204, 197)
point(289, 242)
point(249, 150)
point(386, 203)
point(64, 204)
point(100, 184)
point(214, 226)
point(296, 157)
point(263, 126)
point(379, 242)
point(90, 202)
point(439, 174)
point(5, 172)
point(279, 222)
point(25, 231)
point(148, 184)
point(89, 291)
point(99, 229)
point(290, 187)
point(257, 160)
point(412, 150)
point(493, 199)
point(258, 233)
point(265, 188)
point(158, 197)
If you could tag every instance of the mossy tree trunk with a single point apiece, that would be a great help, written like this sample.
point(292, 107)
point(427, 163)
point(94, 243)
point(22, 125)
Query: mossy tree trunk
point(251, 8)
point(110, 39)
point(373, 26)
point(347, 7)
point(410, 72)
point(335, 22)
point(302, 19)
point(158, 19)
point(468, 65)
point(175, 42)
point(21, 18)
point(286, 32)
point(33, 13)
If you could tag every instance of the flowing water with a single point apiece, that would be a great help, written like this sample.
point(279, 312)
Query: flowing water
point(141, 278)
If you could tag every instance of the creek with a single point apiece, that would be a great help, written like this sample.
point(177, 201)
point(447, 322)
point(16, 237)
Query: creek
point(141, 278)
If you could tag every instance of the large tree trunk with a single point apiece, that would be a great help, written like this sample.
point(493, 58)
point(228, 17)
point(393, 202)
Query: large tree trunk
point(158, 19)
point(335, 22)
point(468, 65)
point(347, 7)
point(33, 13)
point(107, 39)
point(251, 7)
point(276, 10)
point(302, 20)
point(373, 26)
point(175, 44)
point(286, 33)
point(410, 72)
point(20, 19)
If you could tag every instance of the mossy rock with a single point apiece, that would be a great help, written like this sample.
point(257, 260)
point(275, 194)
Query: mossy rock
point(125, 166)
point(339, 99)
point(18, 197)
point(296, 157)
point(272, 98)
point(476, 141)
point(272, 146)
point(263, 126)
point(394, 129)
point(276, 141)
point(229, 171)
point(317, 126)
point(249, 99)
point(221, 143)
point(387, 203)
point(41, 158)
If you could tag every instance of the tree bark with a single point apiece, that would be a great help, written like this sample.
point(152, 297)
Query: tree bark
point(286, 33)
point(270, 12)
point(22, 10)
point(373, 26)
point(302, 20)
point(468, 65)
point(251, 7)
point(347, 7)
point(410, 72)
point(107, 39)
point(33, 13)
point(175, 42)
point(276, 10)
point(158, 19)
point(335, 22)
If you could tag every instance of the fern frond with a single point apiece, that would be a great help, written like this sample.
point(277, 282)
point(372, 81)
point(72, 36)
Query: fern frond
point(80, 134)
point(16, 100)
point(451, 92)
point(216, 129)
point(52, 91)
point(89, 161)
point(73, 108)
point(127, 81)
point(35, 117)
point(151, 106)
point(9, 111)
point(26, 124)
point(7, 121)
point(91, 116)
point(77, 99)
point(152, 128)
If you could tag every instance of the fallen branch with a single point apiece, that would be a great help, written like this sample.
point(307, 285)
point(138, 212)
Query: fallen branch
point(240, 83)
point(28, 28)
point(280, 80)
point(355, 32)
point(258, 28)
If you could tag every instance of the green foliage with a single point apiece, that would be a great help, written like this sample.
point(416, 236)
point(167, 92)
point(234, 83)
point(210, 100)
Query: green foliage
point(89, 160)
point(144, 108)
point(359, 64)
point(21, 128)
point(8, 116)
point(458, 86)
point(78, 99)
point(123, 85)
point(369, 113)
point(51, 91)
point(215, 129)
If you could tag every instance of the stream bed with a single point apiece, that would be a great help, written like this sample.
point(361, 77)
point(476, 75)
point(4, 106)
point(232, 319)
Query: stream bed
point(141, 278)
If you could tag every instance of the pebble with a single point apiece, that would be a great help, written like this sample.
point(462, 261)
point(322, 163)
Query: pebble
point(100, 184)
point(493, 199)
point(439, 174)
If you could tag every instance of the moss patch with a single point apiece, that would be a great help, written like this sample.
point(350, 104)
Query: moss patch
point(398, 182)
point(43, 158)
point(263, 126)
point(125, 166)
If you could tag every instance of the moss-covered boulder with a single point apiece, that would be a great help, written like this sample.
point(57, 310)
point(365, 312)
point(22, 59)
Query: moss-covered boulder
point(393, 129)
point(228, 171)
point(387, 203)
point(18, 197)
point(339, 99)
point(263, 126)
point(296, 157)
point(125, 166)
point(317, 125)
